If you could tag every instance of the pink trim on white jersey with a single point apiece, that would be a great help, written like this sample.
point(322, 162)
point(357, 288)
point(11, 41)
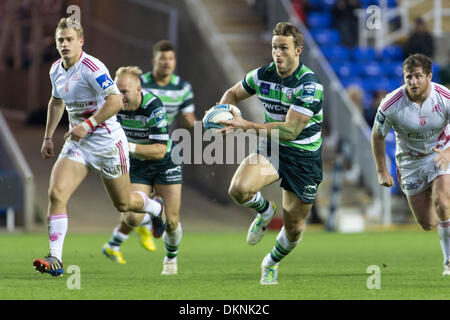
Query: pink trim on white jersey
point(57, 216)
point(392, 100)
point(123, 158)
point(443, 92)
point(443, 139)
point(56, 62)
point(88, 63)
point(104, 125)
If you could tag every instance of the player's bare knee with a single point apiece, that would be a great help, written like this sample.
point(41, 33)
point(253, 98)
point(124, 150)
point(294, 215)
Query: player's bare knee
point(172, 225)
point(131, 219)
point(293, 233)
point(235, 193)
point(55, 195)
point(442, 207)
point(122, 206)
point(294, 229)
point(240, 193)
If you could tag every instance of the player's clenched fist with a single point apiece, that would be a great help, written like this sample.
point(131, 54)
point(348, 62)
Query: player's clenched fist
point(47, 149)
point(386, 180)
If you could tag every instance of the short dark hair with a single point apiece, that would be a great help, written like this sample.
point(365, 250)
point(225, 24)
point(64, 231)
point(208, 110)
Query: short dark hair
point(418, 60)
point(163, 45)
point(287, 29)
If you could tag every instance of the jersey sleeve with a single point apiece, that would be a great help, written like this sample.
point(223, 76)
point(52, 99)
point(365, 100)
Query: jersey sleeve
point(101, 81)
point(308, 98)
point(188, 99)
point(382, 123)
point(248, 83)
point(158, 122)
point(52, 80)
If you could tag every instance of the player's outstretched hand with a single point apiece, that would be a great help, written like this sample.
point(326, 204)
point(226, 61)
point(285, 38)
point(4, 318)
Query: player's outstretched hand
point(442, 159)
point(386, 180)
point(236, 123)
point(47, 149)
point(76, 133)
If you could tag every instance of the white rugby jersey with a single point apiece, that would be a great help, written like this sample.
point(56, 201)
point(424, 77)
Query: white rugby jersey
point(418, 129)
point(83, 88)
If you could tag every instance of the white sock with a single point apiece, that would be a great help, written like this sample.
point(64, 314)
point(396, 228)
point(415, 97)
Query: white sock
point(146, 220)
point(268, 213)
point(117, 239)
point(261, 205)
point(151, 207)
point(281, 249)
point(171, 242)
point(444, 233)
point(57, 229)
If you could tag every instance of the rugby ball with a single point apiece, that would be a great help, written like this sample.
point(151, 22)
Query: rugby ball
point(220, 112)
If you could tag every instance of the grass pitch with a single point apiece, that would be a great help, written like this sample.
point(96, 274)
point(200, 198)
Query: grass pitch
point(218, 266)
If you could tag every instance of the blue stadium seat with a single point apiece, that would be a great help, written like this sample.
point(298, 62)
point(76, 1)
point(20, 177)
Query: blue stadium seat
point(336, 53)
point(364, 55)
point(394, 69)
point(392, 53)
point(395, 83)
point(320, 20)
point(316, 5)
point(346, 69)
point(371, 69)
point(392, 3)
point(321, 5)
point(326, 36)
point(435, 70)
point(328, 3)
point(348, 81)
point(366, 3)
point(381, 83)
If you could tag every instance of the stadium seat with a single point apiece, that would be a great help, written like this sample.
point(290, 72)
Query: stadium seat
point(392, 53)
point(364, 55)
point(366, 3)
point(319, 20)
point(346, 69)
point(435, 70)
point(321, 5)
point(348, 81)
point(370, 69)
point(336, 54)
point(316, 5)
point(394, 69)
point(326, 36)
point(381, 83)
point(394, 83)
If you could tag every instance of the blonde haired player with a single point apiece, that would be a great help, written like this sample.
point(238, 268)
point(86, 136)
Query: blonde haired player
point(419, 113)
point(94, 142)
point(144, 120)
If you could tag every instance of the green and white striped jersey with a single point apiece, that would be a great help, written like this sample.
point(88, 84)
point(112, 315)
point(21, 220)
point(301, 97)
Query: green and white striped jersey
point(176, 96)
point(147, 124)
point(301, 91)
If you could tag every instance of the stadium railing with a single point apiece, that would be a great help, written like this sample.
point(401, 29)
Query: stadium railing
point(345, 121)
point(16, 181)
point(382, 36)
point(223, 54)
